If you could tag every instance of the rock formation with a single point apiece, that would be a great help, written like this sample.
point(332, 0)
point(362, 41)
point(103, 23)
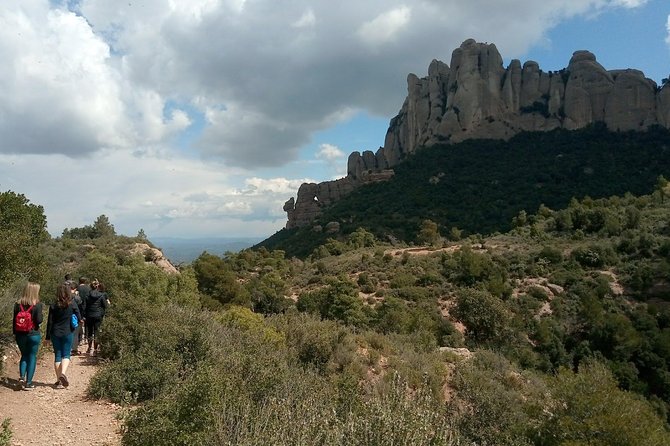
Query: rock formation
point(476, 97)
point(154, 256)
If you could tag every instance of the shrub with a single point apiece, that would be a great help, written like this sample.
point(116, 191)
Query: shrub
point(151, 355)
point(485, 316)
point(6, 432)
point(496, 403)
point(589, 409)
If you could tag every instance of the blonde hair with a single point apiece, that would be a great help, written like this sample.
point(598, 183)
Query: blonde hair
point(31, 294)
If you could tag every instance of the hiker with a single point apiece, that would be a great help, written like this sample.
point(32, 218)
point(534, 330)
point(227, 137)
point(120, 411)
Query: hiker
point(26, 330)
point(95, 311)
point(61, 332)
point(84, 289)
point(68, 281)
point(77, 335)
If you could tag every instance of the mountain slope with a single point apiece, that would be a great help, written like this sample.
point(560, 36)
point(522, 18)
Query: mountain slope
point(480, 185)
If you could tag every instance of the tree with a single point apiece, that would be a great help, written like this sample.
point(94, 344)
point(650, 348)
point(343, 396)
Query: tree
point(429, 233)
point(22, 229)
point(590, 409)
point(485, 316)
point(103, 228)
point(216, 280)
point(661, 185)
point(100, 228)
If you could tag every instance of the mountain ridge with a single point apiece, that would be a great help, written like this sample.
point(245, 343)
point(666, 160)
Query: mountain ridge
point(476, 97)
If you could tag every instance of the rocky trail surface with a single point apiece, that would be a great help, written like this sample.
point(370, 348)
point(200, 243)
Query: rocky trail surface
point(47, 415)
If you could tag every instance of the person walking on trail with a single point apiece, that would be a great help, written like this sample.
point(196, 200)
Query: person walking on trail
point(76, 336)
point(26, 329)
point(61, 332)
point(84, 290)
point(96, 304)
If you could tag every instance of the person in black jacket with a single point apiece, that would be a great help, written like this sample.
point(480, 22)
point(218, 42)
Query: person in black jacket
point(84, 290)
point(96, 304)
point(29, 343)
point(76, 336)
point(61, 332)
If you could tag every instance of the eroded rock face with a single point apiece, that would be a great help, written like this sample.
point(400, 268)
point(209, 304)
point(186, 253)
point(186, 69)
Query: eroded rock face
point(154, 256)
point(476, 97)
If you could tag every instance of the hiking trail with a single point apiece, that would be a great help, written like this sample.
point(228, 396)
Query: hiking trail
point(58, 417)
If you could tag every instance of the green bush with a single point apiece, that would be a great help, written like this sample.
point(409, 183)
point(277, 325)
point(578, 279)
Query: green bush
point(497, 404)
point(6, 432)
point(150, 355)
point(486, 317)
point(589, 409)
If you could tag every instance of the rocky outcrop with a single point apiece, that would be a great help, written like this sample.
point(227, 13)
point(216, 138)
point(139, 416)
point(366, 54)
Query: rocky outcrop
point(477, 97)
point(154, 256)
point(312, 197)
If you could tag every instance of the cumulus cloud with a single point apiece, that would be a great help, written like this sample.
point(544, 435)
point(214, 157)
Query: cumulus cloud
point(174, 103)
point(630, 3)
point(163, 194)
point(102, 75)
point(307, 20)
point(385, 27)
point(330, 153)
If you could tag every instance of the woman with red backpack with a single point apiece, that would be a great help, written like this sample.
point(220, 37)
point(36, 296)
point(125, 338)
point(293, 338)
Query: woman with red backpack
point(26, 329)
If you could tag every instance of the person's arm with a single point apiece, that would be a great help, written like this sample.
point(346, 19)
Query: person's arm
point(50, 322)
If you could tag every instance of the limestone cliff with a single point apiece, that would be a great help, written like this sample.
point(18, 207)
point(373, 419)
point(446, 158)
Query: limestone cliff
point(476, 97)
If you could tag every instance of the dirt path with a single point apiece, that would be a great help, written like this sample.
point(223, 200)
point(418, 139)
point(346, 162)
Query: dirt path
point(56, 416)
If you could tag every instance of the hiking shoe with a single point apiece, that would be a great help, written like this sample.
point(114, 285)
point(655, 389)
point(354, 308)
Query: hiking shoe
point(28, 387)
point(63, 380)
point(22, 383)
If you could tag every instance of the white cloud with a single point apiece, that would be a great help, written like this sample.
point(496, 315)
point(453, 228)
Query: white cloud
point(667, 27)
point(110, 88)
point(307, 20)
point(330, 153)
point(102, 77)
point(164, 195)
point(630, 3)
point(385, 27)
point(285, 186)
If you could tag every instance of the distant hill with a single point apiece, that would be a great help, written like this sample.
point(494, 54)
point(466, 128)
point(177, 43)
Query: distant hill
point(185, 250)
point(479, 185)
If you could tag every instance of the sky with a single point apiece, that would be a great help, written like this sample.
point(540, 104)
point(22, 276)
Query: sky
point(200, 118)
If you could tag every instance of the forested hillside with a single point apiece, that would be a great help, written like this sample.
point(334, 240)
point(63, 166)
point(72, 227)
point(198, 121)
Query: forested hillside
point(478, 186)
point(553, 333)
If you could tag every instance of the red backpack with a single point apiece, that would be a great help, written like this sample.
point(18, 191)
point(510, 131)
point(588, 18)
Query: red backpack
point(24, 320)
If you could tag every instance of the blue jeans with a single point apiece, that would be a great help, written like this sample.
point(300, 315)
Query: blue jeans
point(62, 346)
point(28, 344)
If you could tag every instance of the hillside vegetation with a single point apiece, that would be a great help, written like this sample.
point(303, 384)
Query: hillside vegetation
point(478, 186)
point(556, 332)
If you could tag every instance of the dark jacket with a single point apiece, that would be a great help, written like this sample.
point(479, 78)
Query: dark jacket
point(59, 321)
point(96, 304)
point(36, 314)
point(84, 291)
